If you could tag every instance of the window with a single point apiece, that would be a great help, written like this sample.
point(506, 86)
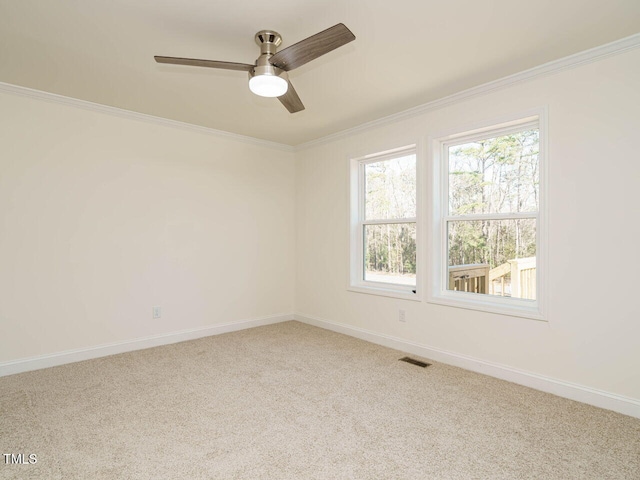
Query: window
point(384, 225)
point(487, 218)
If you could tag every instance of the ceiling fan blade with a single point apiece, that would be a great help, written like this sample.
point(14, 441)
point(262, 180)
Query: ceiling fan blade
point(245, 67)
point(291, 100)
point(311, 48)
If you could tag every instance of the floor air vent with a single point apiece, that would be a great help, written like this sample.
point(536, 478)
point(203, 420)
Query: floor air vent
point(413, 361)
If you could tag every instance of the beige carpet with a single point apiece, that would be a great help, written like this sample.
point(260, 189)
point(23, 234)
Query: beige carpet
point(290, 401)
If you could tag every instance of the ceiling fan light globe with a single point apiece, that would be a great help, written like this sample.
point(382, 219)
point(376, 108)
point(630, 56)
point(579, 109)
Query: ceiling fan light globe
point(268, 85)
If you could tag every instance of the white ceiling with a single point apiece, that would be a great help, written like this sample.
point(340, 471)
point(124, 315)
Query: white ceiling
point(406, 53)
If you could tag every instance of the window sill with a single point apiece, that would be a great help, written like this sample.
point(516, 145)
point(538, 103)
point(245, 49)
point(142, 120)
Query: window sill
point(386, 291)
point(501, 306)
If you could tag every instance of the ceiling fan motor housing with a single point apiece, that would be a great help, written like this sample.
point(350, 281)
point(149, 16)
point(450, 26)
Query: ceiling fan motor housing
point(268, 40)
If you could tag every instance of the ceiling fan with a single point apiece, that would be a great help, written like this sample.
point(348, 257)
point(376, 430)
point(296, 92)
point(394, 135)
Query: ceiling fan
point(268, 76)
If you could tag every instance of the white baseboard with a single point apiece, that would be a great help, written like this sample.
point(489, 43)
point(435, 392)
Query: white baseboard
point(580, 393)
point(70, 356)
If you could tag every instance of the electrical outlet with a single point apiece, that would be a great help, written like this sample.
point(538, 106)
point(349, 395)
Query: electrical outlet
point(156, 312)
point(402, 316)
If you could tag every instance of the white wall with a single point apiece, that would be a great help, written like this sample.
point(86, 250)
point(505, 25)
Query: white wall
point(592, 335)
point(103, 217)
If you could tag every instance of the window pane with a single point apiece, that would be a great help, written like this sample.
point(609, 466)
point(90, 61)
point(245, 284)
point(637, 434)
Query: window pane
point(495, 175)
point(390, 253)
point(390, 188)
point(495, 257)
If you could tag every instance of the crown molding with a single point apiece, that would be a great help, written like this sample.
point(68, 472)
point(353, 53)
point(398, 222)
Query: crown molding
point(556, 66)
point(141, 117)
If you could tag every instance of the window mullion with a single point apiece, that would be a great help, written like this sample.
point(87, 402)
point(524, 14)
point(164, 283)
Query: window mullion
point(389, 221)
point(491, 216)
point(361, 218)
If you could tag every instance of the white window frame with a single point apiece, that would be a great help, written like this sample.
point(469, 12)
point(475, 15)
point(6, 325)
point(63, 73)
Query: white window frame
point(437, 288)
point(357, 283)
